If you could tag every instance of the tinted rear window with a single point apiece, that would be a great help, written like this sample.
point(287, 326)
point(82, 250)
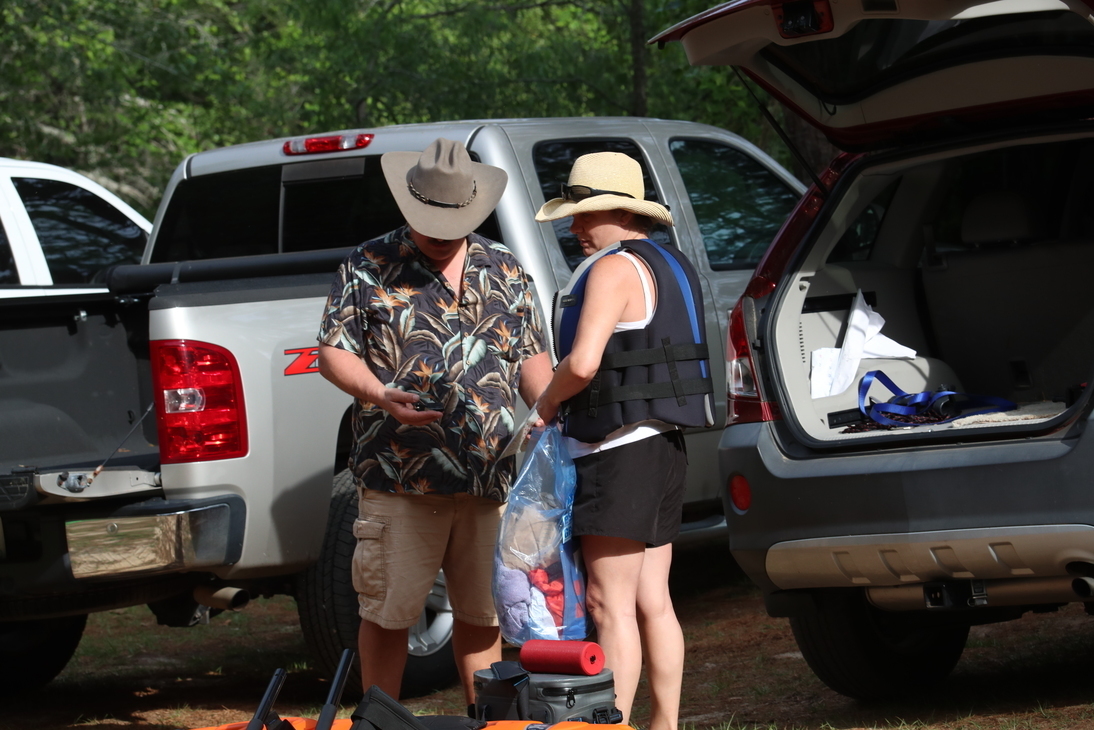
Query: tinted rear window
point(1044, 191)
point(277, 209)
point(338, 212)
point(878, 53)
point(857, 242)
point(227, 214)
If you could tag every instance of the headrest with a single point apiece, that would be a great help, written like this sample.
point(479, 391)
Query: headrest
point(996, 217)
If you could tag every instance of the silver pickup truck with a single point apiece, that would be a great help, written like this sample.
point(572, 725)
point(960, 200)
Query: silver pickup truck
point(188, 461)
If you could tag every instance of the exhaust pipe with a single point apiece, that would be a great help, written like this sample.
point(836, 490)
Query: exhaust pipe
point(1083, 587)
point(986, 593)
point(226, 599)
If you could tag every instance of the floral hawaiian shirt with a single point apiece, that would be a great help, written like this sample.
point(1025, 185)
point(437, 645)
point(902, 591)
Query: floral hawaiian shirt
point(391, 306)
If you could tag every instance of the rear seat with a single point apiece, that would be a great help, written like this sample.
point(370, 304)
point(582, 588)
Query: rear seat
point(1012, 314)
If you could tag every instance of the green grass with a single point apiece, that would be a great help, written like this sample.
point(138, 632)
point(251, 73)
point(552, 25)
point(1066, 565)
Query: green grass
point(230, 642)
point(742, 674)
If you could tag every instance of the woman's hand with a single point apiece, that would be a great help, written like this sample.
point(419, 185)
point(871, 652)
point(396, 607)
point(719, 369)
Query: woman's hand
point(547, 411)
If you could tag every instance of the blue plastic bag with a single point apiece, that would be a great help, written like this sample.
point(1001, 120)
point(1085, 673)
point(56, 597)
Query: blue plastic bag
point(539, 579)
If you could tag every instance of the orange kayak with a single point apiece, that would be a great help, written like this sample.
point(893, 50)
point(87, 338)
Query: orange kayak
point(303, 723)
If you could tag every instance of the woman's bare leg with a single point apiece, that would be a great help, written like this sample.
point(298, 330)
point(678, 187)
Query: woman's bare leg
point(614, 568)
point(662, 639)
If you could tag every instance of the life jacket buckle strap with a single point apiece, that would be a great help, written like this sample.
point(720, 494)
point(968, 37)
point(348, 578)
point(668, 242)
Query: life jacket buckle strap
point(674, 373)
point(594, 395)
point(654, 355)
point(648, 391)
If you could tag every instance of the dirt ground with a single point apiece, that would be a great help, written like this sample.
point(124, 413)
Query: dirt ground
point(743, 671)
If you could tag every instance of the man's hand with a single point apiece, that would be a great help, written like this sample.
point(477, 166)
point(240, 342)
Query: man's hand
point(349, 372)
point(403, 407)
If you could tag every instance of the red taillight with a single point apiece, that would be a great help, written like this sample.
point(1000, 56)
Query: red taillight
point(328, 143)
point(199, 401)
point(794, 230)
point(744, 403)
point(740, 493)
point(743, 391)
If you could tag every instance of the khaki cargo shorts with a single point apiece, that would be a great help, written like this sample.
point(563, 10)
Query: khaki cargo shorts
point(404, 540)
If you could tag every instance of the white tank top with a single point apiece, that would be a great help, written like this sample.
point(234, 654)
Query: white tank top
point(647, 295)
point(633, 431)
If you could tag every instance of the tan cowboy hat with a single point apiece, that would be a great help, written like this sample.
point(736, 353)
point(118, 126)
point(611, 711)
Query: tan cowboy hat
point(604, 181)
point(441, 192)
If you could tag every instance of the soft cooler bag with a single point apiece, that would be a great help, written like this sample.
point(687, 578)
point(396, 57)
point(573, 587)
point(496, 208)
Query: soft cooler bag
point(508, 692)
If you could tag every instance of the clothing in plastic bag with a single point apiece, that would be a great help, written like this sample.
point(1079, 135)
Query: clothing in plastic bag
point(539, 582)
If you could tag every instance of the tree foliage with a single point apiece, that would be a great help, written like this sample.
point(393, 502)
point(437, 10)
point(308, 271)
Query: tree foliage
point(122, 90)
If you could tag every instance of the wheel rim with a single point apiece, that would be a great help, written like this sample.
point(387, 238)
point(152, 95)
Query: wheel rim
point(434, 628)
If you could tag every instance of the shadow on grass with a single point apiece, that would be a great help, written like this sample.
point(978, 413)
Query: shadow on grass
point(743, 670)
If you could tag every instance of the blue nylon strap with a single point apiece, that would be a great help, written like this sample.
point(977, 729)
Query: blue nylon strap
point(689, 300)
point(569, 316)
point(913, 404)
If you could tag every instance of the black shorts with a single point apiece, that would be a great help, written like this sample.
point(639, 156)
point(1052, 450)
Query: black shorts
point(634, 491)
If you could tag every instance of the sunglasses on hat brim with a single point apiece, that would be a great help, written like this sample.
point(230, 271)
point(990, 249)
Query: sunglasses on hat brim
point(577, 193)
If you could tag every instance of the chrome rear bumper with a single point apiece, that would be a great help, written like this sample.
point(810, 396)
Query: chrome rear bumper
point(193, 536)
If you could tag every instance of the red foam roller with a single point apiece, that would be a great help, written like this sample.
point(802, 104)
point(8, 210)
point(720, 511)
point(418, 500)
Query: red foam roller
point(562, 657)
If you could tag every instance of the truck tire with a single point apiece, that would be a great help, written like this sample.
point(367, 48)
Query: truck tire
point(32, 653)
point(868, 654)
point(327, 605)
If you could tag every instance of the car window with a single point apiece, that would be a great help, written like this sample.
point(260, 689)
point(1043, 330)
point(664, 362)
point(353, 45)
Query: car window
point(8, 272)
point(877, 53)
point(79, 232)
point(281, 209)
point(338, 212)
point(738, 202)
point(1027, 188)
point(857, 241)
point(225, 214)
point(553, 161)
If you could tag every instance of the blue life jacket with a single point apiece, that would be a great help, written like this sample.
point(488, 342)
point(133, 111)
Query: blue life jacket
point(659, 372)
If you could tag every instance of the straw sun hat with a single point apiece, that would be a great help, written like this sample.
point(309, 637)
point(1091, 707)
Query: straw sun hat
point(441, 192)
point(604, 181)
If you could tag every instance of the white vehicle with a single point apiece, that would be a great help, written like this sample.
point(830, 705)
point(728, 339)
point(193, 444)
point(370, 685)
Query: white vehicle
point(226, 491)
point(58, 228)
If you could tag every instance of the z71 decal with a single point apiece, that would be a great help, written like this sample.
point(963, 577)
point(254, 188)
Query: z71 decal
point(305, 360)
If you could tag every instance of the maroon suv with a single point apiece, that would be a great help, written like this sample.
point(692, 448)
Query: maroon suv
point(906, 451)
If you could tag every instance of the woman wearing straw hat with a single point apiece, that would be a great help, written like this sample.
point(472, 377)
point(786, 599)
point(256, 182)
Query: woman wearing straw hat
point(632, 372)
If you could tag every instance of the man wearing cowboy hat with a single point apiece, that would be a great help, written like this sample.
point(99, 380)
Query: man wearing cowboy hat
point(433, 329)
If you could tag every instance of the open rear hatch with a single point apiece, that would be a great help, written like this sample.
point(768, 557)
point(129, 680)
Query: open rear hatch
point(978, 260)
point(881, 73)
